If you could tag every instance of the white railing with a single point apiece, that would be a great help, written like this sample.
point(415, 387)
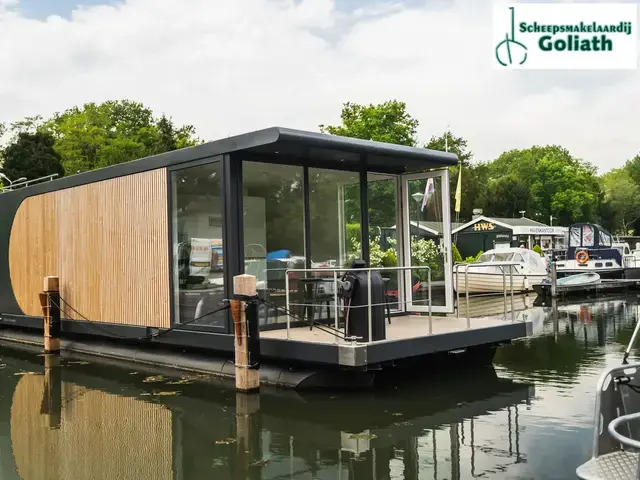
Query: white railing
point(26, 183)
point(369, 305)
point(467, 266)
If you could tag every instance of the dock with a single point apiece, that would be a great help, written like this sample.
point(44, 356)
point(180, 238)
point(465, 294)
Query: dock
point(605, 286)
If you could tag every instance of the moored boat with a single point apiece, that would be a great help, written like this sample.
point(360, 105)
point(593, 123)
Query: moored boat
point(496, 271)
point(581, 279)
point(592, 249)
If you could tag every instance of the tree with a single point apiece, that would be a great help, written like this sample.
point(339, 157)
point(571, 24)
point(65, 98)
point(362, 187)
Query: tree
point(31, 155)
point(386, 122)
point(509, 196)
point(623, 196)
point(95, 136)
point(554, 182)
point(452, 144)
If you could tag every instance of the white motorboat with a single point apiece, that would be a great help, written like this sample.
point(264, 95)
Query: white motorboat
point(496, 269)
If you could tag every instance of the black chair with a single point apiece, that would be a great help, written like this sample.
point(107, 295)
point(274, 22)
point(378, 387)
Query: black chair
point(313, 298)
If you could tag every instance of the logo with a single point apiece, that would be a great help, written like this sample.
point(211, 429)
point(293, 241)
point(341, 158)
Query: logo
point(508, 43)
point(483, 226)
point(565, 36)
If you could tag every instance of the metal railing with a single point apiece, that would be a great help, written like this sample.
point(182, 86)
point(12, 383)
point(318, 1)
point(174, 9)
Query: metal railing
point(26, 183)
point(369, 305)
point(624, 419)
point(467, 266)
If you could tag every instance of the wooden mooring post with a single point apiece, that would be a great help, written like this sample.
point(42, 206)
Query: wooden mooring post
point(246, 334)
point(52, 401)
point(50, 303)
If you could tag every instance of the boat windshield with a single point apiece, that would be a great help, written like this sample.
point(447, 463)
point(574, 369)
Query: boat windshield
point(500, 257)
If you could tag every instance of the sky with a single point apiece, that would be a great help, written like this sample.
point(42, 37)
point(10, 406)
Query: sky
point(229, 67)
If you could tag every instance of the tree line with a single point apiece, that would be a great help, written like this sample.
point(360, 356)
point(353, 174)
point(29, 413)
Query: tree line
point(546, 181)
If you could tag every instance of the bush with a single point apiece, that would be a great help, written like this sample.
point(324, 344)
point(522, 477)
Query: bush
point(455, 253)
point(538, 249)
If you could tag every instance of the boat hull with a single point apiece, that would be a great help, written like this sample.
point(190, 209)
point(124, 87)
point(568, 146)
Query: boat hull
point(493, 282)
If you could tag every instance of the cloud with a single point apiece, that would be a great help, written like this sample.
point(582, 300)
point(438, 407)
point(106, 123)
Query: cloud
point(231, 67)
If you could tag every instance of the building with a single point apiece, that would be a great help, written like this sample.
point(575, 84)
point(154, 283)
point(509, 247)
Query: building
point(485, 233)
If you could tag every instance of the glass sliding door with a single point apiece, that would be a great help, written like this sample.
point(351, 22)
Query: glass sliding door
point(384, 248)
point(273, 222)
point(427, 240)
point(198, 249)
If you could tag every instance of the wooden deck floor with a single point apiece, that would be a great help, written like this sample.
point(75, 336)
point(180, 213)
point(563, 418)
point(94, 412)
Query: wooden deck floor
point(410, 326)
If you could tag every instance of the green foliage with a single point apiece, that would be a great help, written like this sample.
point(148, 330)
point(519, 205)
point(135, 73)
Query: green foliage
point(622, 194)
point(386, 122)
point(544, 181)
point(352, 233)
point(452, 144)
point(538, 249)
point(455, 254)
point(473, 258)
point(95, 136)
point(31, 155)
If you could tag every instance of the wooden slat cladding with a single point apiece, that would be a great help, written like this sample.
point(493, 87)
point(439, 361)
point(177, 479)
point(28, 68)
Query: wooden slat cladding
point(108, 243)
point(101, 435)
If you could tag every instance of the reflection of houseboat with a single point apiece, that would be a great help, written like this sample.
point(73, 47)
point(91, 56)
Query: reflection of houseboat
point(592, 249)
point(496, 269)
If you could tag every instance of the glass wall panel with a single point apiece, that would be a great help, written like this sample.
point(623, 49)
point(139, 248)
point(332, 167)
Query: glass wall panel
point(273, 230)
point(334, 204)
point(383, 238)
point(427, 233)
point(198, 249)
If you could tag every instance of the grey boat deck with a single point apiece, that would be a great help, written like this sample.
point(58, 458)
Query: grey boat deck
point(401, 328)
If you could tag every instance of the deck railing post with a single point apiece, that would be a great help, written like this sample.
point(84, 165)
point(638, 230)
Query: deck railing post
point(50, 303)
point(456, 270)
point(554, 279)
point(513, 318)
point(504, 289)
point(246, 333)
point(466, 285)
point(369, 304)
point(429, 292)
point(286, 293)
point(335, 303)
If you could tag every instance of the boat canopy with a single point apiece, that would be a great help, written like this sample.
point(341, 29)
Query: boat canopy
point(532, 260)
point(589, 235)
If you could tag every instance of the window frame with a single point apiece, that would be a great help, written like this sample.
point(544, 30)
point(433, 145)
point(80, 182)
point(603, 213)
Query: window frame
point(228, 255)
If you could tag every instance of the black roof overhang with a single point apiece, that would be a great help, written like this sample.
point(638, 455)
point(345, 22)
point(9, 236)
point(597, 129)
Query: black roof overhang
point(332, 151)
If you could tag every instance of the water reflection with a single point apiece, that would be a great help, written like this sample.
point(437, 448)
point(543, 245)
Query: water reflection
point(529, 417)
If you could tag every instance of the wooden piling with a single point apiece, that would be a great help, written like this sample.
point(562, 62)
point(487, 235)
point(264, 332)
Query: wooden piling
point(52, 401)
point(245, 327)
point(51, 311)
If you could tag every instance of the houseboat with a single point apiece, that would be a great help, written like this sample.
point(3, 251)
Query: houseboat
point(146, 253)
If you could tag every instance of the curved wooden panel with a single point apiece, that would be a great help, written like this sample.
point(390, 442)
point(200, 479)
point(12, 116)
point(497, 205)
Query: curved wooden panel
point(108, 243)
point(101, 435)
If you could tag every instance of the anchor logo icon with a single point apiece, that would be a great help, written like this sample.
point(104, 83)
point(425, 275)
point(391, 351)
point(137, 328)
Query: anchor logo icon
point(508, 43)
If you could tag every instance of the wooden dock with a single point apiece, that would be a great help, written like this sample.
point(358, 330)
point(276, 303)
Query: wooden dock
point(605, 286)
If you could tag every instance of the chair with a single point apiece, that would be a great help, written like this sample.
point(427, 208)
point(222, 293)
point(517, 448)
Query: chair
point(312, 298)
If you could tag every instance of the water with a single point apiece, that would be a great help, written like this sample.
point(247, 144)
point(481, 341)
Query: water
point(528, 417)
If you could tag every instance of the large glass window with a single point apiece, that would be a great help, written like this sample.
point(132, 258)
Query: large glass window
point(383, 234)
point(198, 250)
point(334, 203)
point(273, 221)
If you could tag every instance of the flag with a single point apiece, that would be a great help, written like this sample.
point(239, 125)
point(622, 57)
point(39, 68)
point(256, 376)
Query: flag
point(459, 190)
point(429, 190)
